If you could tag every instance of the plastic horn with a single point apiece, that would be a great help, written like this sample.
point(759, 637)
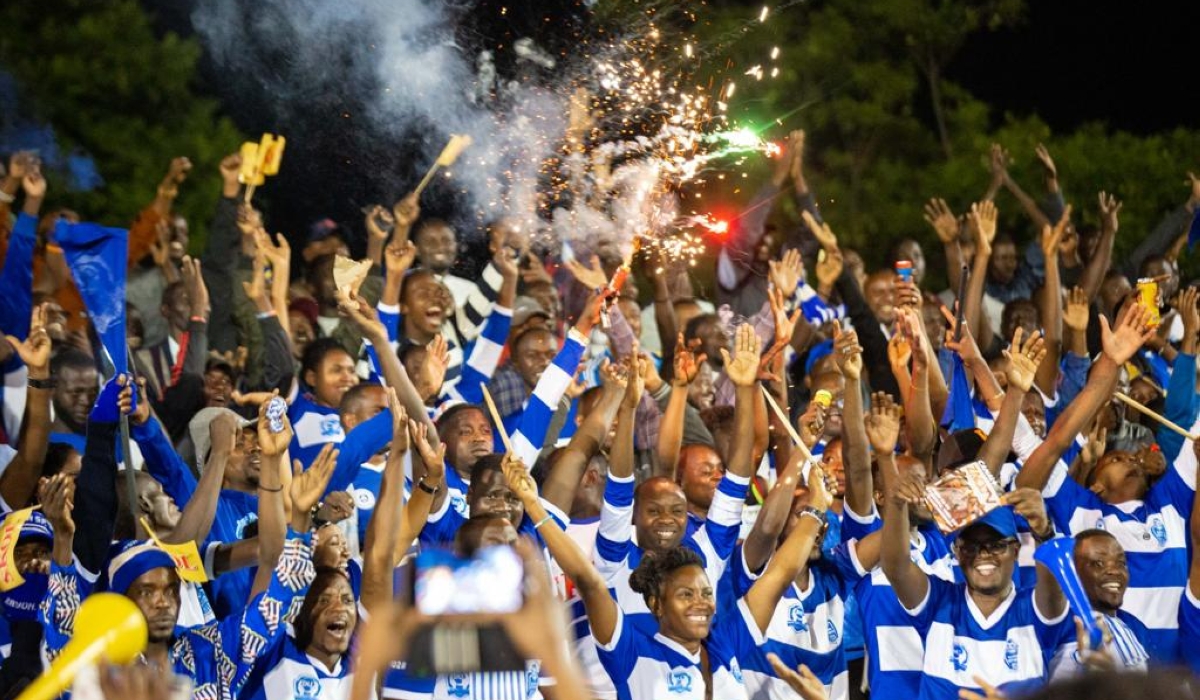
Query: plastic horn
point(1058, 555)
point(1156, 416)
point(107, 625)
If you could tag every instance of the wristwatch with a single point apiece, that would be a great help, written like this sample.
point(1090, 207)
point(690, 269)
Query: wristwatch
point(813, 512)
point(431, 490)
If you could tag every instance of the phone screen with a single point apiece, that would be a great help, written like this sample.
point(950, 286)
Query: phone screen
point(489, 582)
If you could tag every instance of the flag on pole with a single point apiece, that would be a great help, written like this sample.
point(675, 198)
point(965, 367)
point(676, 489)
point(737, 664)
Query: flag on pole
point(959, 415)
point(97, 258)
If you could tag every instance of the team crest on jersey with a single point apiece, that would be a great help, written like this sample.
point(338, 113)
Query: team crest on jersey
point(458, 686)
point(831, 630)
point(531, 680)
point(1011, 650)
point(306, 688)
point(1159, 530)
point(736, 670)
point(796, 618)
point(459, 504)
point(364, 498)
point(959, 657)
point(679, 682)
point(331, 426)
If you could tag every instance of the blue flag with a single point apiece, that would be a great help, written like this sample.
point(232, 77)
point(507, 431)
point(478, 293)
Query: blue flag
point(1194, 229)
point(97, 258)
point(959, 414)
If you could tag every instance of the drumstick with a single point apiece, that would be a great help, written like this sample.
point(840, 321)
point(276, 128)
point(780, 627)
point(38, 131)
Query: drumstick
point(487, 397)
point(1156, 416)
point(786, 423)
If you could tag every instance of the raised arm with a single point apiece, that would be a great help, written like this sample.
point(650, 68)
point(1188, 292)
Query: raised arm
point(198, 511)
point(1023, 361)
point(983, 221)
point(272, 499)
point(792, 558)
point(421, 503)
point(1050, 306)
point(939, 216)
point(910, 583)
point(1132, 330)
point(563, 480)
point(384, 529)
point(1029, 504)
point(601, 608)
point(671, 428)
point(856, 456)
point(1194, 532)
point(918, 411)
point(742, 370)
point(1097, 267)
point(19, 481)
point(760, 544)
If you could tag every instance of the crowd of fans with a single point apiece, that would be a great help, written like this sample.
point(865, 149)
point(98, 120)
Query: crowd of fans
point(712, 498)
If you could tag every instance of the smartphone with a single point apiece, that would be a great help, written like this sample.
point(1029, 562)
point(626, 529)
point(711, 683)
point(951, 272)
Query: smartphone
point(453, 588)
point(489, 582)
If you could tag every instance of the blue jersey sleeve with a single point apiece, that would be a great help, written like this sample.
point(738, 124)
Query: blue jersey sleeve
point(440, 529)
point(163, 462)
point(1180, 405)
point(856, 527)
point(613, 538)
point(16, 279)
point(482, 359)
point(361, 443)
point(535, 420)
point(65, 592)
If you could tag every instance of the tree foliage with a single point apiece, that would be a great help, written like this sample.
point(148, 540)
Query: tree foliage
point(109, 87)
point(867, 81)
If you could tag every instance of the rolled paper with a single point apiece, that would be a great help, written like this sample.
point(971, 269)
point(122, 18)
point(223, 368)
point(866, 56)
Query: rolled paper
point(270, 153)
point(1058, 555)
point(349, 274)
point(249, 174)
point(454, 148)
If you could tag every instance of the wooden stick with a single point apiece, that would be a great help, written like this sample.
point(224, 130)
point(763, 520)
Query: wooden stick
point(249, 192)
point(487, 397)
point(1156, 416)
point(787, 424)
point(425, 180)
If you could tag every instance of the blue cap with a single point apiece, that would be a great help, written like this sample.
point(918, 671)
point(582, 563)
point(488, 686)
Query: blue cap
point(134, 558)
point(37, 526)
point(1001, 520)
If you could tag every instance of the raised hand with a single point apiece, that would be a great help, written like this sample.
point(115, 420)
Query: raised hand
point(785, 325)
point(803, 681)
point(273, 444)
point(535, 271)
point(309, 485)
point(230, 166)
point(1075, 313)
point(1053, 235)
point(518, 479)
point(943, 221)
point(256, 288)
point(983, 221)
point(883, 423)
point(400, 434)
point(433, 370)
point(687, 363)
point(57, 496)
point(1185, 303)
point(812, 424)
point(998, 162)
point(821, 231)
point(742, 368)
point(1028, 503)
point(1098, 659)
point(829, 268)
point(785, 274)
point(34, 351)
point(847, 353)
point(380, 222)
point(1133, 329)
point(405, 213)
point(398, 257)
point(1047, 162)
point(613, 378)
point(909, 489)
point(125, 399)
point(1109, 209)
point(591, 275)
point(193, 281)
point(635, 382)
point(506, 261)
point(363, 316)
point(434, 459)
point(965, 346)
point(818, 488)
point(1024, 358)
point(34, 184)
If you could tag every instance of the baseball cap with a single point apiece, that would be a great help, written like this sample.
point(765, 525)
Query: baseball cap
point(1001, 520)
point(202, 437)
point(525, 308)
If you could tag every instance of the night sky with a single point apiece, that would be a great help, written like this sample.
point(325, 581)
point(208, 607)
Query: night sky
point(1071, 63)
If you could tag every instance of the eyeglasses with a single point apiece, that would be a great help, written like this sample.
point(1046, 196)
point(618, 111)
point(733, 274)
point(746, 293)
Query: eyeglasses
point(994, 548)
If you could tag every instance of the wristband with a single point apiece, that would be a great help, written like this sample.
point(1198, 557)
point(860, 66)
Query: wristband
point(46, 384)
point(264, 488)
point(431, 490)
point(542, 522)
point(813, 513)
